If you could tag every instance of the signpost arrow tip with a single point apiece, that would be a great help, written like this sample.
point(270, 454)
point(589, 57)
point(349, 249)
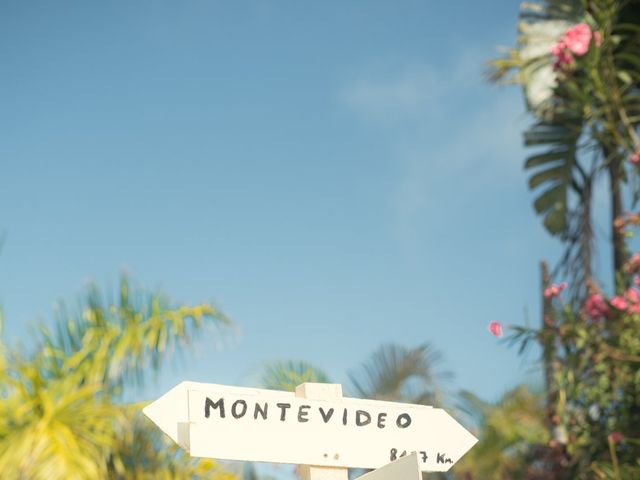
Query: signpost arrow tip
point(170, 412)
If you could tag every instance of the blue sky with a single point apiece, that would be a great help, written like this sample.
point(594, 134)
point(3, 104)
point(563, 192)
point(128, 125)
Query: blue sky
point(334, 175)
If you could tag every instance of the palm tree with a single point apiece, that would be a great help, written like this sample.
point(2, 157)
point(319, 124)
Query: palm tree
point(61, 410)
point(392, 373)
point(585, 119)
point(288, 374)
point(507, 431)
point(401, 374)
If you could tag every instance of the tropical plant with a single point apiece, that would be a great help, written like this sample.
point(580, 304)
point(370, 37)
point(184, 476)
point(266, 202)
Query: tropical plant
point(288, 374)
point(579, 65)
point(401, 374)
point(61, 409)
point(597, 386)
point(506, 431)
point(392, 373)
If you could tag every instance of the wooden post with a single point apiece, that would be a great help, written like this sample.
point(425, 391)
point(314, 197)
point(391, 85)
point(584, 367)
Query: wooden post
point(321, 391)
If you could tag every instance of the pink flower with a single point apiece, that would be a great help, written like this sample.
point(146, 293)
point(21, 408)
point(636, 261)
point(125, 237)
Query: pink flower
point(633, 217)
point(637, 281)
point(596, 307)
point(632, 295)
point(558, 48)
point(633, 264)
point(565, 59)
point(634, 158)
point(578, 38)
point(495, 328)
point(619, 302)
point(575, 41)
point(616, 437)
point(634, 309)
point(554, 290)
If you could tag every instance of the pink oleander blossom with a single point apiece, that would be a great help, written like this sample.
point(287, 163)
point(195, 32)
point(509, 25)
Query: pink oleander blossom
point(596, 307)
point(554, 290)
point(558, 48)
point(633, 298)
point(616, 437)
point(578, 38)
point(633, 218)
point(632, 295)
point(575, 41)
point(633, 264)
point(634, 309)
point(564, 59)
point(495, 328)
point(619, 302)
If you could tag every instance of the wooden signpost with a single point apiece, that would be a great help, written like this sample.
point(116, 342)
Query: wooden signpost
point(314, 427)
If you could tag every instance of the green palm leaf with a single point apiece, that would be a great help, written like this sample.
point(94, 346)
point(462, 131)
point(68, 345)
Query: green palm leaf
point(59, 416)
point(397, 373)
point(288, 374)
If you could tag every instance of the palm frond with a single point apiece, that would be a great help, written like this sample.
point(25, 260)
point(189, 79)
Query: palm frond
point(507, 430)
point(288, 374)
point(131, 335)
point(397, 373)
point(58, 413)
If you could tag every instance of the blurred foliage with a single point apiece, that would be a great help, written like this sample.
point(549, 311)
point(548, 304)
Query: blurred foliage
point(61, 410)
point(505, 431)
point(586, 113)
point(392, 373)
point(597, 381)
point(583, 95)
point(288, 374)
point(401, 374)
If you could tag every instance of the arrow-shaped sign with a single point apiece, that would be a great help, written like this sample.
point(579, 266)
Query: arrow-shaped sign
point(236, 423)
point(405, 468)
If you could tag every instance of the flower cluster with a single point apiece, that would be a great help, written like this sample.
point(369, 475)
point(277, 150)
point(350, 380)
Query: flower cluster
point(596, 307)
point(629, 302)
point(554, 290)
point(621, 224)
point(633, 264)
point(575, 41)
point(616, 437)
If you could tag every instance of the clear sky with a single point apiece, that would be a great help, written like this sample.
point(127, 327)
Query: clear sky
point(334, 175)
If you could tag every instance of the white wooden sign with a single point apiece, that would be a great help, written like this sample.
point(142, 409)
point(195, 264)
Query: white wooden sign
point(405, 468)
point(236, 423)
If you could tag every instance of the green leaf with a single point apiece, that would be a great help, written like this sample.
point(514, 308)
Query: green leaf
point(556, 174)
point(554, 197)
point(555, 221)
point(546, 157)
